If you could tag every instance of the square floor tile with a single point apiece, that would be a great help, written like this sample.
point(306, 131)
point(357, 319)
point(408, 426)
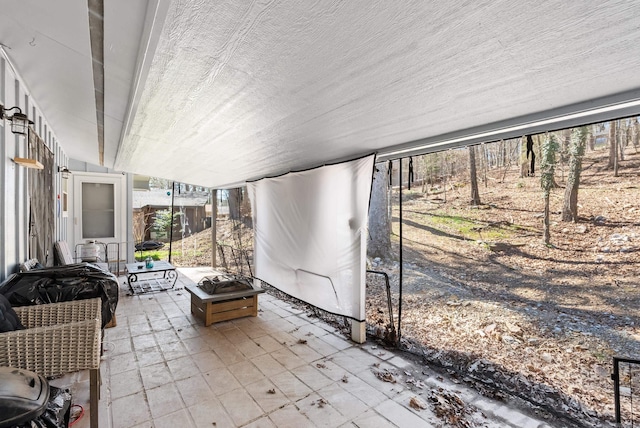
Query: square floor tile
point(221, 381)
point(122, 362)
point(131, 410)
point(263, 422)
point(164, 400)
point(171, 351)
point(365, 392)
point(207, 361)
point(166, 336)
point(337, 341)
point(229, 354)
point(187, 332)
point(141, 329)
point(182, 368)
point(155, 375)
point(352, 365)
point(312, 377)
point(343, 401)
point(268, 365)
point(249, 348)
point(268, 343)
point(400, 416)
point(289, 417)
point(287, 358)
point(149, 356)
point(267, 395)
point(320, 413)
point(144, 341)
point(291, 386)
point(194, 390)
point(246, 372)
point(121, 346)
point(371, 419)
point(125, 383)
point(180, 419)
point(240, 406)
point(192, 339)
point(305, 351)
point(210, 414)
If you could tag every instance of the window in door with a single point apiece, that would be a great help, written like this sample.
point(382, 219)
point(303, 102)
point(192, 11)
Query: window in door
point(98, 211)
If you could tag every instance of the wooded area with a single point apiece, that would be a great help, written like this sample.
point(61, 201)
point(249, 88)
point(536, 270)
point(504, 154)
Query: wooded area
point(530, 280)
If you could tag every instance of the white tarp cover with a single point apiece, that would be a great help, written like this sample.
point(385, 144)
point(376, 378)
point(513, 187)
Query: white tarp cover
point(311, 232)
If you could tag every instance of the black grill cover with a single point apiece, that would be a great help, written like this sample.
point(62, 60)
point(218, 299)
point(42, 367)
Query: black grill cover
point(62, 284)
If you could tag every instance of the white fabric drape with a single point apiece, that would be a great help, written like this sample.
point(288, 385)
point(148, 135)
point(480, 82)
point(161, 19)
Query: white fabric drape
point(311, 233)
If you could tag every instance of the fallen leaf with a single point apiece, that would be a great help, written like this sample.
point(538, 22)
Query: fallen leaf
point(417, 404)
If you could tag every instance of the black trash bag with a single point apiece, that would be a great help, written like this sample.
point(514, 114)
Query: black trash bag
point(63, 284)
point(57, 413)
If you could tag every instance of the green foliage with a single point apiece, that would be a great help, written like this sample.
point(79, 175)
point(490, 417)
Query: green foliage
point(469, 227)
point(162, 221)
point(547, 167)
point(156, 254)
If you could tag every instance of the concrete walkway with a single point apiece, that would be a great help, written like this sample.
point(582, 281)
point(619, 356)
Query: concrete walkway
point(163, 368)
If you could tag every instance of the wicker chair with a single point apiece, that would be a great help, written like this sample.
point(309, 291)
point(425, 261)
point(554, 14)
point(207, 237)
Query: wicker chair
point(59, 338)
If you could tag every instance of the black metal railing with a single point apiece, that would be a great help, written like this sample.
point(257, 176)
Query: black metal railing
point(390, 334)
point(622, 377)
point(235, 260)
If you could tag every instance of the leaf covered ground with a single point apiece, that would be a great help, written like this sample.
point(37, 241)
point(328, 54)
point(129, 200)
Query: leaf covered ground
point(482, 294)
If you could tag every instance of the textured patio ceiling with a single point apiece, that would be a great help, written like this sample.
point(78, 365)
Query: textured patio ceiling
point(215, 93)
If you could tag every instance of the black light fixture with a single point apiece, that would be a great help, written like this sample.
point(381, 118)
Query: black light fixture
point(64, 172)
point(19, 121)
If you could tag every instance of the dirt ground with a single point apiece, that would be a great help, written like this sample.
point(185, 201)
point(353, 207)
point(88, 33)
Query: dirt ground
point(483, 295)
point(484, 299)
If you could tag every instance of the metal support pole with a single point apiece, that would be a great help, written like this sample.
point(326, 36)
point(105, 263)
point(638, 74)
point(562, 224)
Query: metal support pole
point(214, 216)
point(173, 192)
point(400, 272)
point(616, 388)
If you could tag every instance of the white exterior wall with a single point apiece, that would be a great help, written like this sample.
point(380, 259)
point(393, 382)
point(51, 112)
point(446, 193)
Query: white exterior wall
point(14, 199)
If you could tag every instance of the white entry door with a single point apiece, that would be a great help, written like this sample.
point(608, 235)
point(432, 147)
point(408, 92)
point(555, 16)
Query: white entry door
point(99, 204)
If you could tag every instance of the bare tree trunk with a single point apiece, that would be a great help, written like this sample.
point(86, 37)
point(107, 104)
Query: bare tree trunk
point(524, 153)
point(622, 139)
point(635, 134)
point(379, 242)
point(235, 199)
point(214, 237)
point(485, 164)
point(612, 144)
point(615, 142)
point(547, 170)
point(475, 195)
point(444, 176)
point(591, 139)
point(546, 235)
point(576, 151)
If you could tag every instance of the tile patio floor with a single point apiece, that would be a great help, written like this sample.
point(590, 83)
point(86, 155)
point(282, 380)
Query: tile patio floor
point(162, 368)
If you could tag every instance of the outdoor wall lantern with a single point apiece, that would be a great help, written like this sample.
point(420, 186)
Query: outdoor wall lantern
point(19, 121)
point(64, 172)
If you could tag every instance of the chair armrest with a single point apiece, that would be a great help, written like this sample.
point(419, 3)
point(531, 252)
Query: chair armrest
point(68, 340)
point(59, 313)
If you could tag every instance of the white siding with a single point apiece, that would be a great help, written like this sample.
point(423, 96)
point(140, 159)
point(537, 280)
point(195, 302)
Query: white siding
point(14, 199)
